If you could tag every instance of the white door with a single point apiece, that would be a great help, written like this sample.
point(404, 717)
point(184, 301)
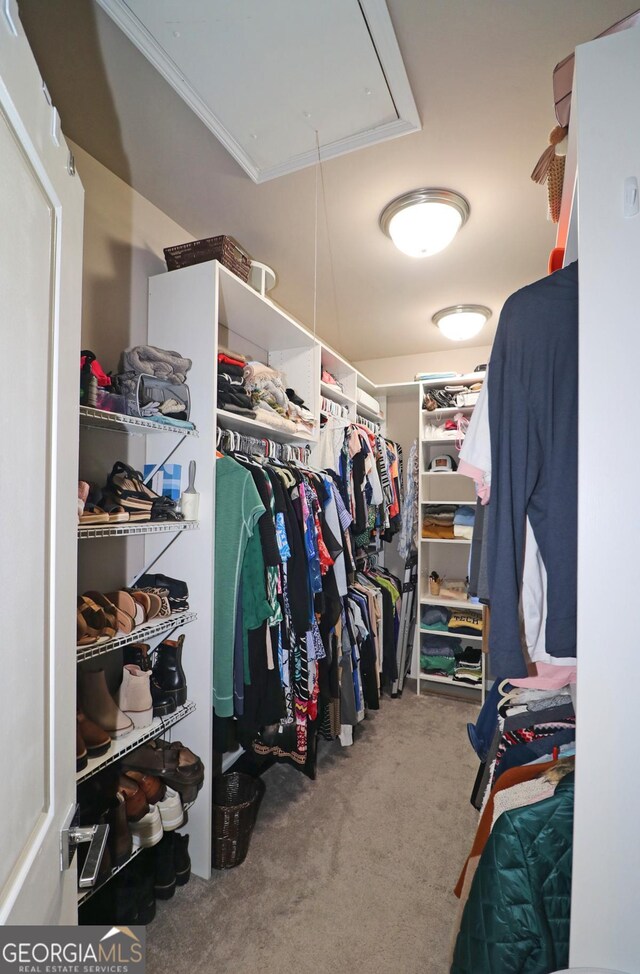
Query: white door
point(41, 212)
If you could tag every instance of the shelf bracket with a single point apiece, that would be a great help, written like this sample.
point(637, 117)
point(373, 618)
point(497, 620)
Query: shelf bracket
point(147, 480)
point(152, 563)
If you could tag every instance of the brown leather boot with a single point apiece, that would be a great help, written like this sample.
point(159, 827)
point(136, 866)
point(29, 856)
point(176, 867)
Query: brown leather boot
point(95, 739)
point(120, 841)
point(153, 788)
point(135, 799)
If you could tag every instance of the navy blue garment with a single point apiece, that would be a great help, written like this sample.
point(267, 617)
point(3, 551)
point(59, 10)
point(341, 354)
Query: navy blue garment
point(533, 417)
point(481, 733)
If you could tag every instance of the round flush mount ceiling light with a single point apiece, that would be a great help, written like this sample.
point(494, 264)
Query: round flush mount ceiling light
point(424, 221)
point(462, 321)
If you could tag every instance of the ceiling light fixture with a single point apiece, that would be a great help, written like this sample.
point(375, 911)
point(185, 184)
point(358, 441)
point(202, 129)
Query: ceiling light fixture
point(424, 221)
point(462, 321)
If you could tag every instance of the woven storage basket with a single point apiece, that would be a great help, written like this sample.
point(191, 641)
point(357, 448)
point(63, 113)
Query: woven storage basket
point(223, 248)
point(236, 799)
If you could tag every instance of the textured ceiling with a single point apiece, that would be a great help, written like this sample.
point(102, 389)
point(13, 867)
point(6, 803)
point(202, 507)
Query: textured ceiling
point(481, 75)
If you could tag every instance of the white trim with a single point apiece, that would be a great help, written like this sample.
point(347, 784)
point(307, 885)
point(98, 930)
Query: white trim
point(376, 16)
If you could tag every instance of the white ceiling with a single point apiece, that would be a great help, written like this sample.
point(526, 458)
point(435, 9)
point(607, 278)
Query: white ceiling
point(350, 88)
point(481, 76)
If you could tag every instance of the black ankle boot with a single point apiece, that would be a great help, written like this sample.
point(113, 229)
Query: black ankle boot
point(181, 858)
point(137, 653)
point(168, 674)
point(165, 869)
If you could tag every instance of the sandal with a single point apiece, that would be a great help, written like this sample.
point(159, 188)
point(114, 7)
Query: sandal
point(143, 601)
point(95, 622)
point(125, 603)
point(122, 620)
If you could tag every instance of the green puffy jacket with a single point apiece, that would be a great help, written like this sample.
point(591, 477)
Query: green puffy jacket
point(516, 920)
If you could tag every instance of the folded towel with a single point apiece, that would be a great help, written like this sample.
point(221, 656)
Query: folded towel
point(465, 515)
point(462, 531)
point(160, 362)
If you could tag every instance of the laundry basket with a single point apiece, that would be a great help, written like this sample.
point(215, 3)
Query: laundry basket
point(236, 799)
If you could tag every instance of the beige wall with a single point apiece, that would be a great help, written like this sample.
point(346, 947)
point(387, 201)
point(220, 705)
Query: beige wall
point(123, 239)
point(403, 368)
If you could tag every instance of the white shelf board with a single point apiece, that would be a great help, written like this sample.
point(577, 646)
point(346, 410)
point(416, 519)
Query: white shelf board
point(364, 383)
point(453, 635)
point(334, 362)
point(442, 440)
point(426, 599)
point(395, 388)
point(253, 427)
point(445, 541)
point(91, 418)
point(138, 527)
point(369, 413)
point(123, 745)
point(335, 394)
point(142, 633)
point(433, 678)
point(258, 319)
point(454, 380)
point(447, 411)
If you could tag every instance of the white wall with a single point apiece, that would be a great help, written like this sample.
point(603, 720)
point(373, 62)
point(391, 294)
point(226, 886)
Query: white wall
point(123, 239)
point(606, 873)
point(403, 368)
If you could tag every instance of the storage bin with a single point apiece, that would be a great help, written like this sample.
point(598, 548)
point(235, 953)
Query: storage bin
point(225, 249)
point(236, 799)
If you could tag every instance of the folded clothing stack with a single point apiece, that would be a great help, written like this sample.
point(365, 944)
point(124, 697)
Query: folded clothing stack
point(463, 522)
point(153, 382)
point(435, 617)
point(330, 379)
point(232, 392)
point(438, 521)
point(468, 668)
point(438, 655)
point(274, 404)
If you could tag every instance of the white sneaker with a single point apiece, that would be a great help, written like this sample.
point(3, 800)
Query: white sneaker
point(171, 810)
point(148, 830)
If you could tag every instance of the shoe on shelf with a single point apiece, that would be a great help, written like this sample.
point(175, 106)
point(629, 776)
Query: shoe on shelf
point(93, 624)
point(153, 788)
point(95, 739)
point(144, 872)
point(136, 804)
point(167, 669)
point(164, 703)
point(120, 619)
point(134, 695)
point(124, 603)
point(119, 841)
point(181, 858)
point(99, 705)
point(160, 605)
point(138, 655)
point(177, 590)
point(163, 762)
point(81, 750)
point(186, 757)
point(83, 493)
point(165, 872)
point(148, 829)
point(171, 810)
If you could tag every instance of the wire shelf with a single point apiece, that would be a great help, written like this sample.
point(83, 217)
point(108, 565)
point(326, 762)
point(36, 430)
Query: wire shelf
point(92, 418)
point(85, 894)
point(140, 527)
point(141, 634)
point(133, 740)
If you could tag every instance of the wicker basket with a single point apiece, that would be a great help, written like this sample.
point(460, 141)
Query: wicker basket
point(236, 799)
point(223, 248)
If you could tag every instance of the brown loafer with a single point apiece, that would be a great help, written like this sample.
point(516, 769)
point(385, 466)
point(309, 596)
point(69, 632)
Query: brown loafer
point(151, 760)
point(136, 802)
point(186, 758)
point(153, 788)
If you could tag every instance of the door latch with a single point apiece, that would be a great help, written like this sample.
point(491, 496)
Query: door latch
point(72, 835)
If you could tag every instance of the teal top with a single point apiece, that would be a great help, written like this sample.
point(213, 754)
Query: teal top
point(238, 509)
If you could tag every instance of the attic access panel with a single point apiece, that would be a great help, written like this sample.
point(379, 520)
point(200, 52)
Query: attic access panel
point(263, 77)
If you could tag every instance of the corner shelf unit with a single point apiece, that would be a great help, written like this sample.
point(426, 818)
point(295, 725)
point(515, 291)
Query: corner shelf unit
point(447, 556)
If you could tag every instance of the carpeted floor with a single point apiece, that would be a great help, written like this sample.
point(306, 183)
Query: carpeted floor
point(352, 873)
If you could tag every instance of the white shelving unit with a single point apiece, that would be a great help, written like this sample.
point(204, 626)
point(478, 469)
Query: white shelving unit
point(449, 557)
point(106, 563)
